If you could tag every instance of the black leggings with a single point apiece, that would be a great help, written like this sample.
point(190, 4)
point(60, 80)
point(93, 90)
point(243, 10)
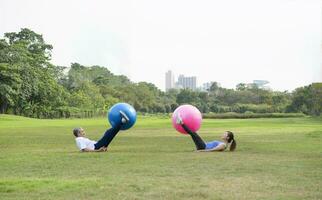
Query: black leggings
point(200, 144)
point(107, 137)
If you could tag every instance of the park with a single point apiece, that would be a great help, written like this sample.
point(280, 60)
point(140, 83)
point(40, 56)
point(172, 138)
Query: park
point(149, 99)
point(275, 159)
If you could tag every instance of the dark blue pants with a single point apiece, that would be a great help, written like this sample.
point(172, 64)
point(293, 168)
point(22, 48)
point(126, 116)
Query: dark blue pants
point(107, 137)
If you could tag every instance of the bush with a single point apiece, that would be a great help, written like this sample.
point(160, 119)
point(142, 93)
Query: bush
point(246, 115)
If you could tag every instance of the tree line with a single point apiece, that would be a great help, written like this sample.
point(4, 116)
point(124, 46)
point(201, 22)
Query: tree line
point(30, 85)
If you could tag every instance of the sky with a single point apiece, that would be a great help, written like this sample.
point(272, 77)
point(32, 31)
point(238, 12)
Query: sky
point(228, 41)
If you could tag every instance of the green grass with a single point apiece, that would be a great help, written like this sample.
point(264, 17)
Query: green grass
point(275, 159)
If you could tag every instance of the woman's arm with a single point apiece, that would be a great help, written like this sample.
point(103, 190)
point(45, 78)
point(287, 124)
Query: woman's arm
point(220, 147)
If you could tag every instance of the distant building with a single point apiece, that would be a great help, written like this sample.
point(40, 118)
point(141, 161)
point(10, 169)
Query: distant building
point(169, 80)
point(261, 84)
point(183, 82)
point(186, 82)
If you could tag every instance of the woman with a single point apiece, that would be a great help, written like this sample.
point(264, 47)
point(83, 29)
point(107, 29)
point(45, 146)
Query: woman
point(227, 137)
point(86, 145)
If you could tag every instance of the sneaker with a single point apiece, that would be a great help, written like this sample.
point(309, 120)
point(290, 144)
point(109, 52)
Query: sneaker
point(125, 118)
point(179, 119)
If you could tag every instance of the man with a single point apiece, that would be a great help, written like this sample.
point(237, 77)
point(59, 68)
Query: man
point(86, 145)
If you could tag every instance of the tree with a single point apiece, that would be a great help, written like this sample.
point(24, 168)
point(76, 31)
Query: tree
point(31, 85)
point(33, 42)
point(307, 99)
point(214, 87)
point(29, 79)
point(241, 87)
point(10, 81)
point(187, 96)
point(9, 86)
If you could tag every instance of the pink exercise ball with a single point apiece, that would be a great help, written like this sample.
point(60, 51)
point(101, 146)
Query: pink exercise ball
point(190, 116)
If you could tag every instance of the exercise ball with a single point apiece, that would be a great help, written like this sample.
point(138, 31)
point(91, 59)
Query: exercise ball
point(115, 118)
point(190, 116)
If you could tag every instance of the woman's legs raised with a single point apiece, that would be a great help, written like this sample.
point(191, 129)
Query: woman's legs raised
point(200, 144)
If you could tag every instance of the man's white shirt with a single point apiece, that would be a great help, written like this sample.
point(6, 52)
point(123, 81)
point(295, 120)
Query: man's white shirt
point(83, 143)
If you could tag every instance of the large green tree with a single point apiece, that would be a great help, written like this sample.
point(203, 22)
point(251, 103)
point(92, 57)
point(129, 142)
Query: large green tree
point(10, 81)
point(307, 99)
point(33, 79)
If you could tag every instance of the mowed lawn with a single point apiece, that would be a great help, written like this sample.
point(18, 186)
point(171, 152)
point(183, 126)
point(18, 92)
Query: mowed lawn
point(275, 159)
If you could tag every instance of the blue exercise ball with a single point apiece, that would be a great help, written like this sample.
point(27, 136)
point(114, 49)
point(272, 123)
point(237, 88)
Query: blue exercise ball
point(114, 116)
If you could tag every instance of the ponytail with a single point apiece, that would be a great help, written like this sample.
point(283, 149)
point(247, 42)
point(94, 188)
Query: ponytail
point(233, 145)
point(232, 141)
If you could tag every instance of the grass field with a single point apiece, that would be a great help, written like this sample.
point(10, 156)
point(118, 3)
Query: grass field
point(275, 159)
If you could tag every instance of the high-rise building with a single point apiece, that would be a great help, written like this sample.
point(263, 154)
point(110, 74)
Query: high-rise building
point(182, 83)
point(187, 82)
point(169, 80)
point(262, 84)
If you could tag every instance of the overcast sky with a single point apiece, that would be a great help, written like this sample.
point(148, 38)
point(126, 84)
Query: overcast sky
point(228, 41)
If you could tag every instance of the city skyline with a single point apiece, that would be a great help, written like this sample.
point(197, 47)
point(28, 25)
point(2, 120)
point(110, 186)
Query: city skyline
point(228, 41)
point(183, 81)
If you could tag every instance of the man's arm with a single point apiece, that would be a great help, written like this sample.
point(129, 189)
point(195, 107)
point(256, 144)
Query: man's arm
point(220, 147)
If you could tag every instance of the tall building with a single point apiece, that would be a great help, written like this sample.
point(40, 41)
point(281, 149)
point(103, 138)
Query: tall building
point(262, 84)
point(187, 82)
point(169, 80)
